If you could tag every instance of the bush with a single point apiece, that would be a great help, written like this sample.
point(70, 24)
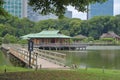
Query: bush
point(107, 39)
point(0, 40)
point(9, 39)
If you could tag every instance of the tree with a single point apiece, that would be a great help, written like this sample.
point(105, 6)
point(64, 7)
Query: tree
point(6, 29)
point(99, 25)
point(58, 7)
point(1, 40)
point(45, 24)
point(115, 24)
point(9, 39)
point(2, 10)
point(75, 28)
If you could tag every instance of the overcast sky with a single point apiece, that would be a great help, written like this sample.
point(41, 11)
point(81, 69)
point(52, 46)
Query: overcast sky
point(81, 15)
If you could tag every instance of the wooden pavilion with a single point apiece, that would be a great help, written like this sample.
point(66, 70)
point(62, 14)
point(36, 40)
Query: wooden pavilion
point(110, 34)
point(79, 38)
point(51, 38)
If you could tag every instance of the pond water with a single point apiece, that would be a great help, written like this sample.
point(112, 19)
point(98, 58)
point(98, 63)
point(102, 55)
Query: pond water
point(109, 59)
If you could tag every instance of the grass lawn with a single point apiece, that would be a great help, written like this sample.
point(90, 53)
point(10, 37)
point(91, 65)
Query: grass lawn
point(4, 60)
point(18, 73)
point(45, 74)
point(12, 69)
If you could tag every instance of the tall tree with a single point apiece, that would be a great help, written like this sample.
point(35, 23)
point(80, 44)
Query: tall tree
point(2, 10)
point(58, 7)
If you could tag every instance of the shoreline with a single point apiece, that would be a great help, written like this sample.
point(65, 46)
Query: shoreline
point(103, 48)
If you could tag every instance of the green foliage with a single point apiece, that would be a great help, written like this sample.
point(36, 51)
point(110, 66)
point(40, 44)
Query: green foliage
point(3, 12)
point(80, 74)
point(89, 39)
point(58, 7)
point(6, 29)
point(9, 39)
point(12, 69)
point(94, 27)
point(107, 39)
point(22, 41)
point(3, 60)
point(1, 40)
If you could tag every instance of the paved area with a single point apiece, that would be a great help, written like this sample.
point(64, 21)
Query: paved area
point(42, 63)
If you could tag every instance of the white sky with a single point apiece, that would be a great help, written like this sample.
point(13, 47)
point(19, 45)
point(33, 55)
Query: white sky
point(81, 15)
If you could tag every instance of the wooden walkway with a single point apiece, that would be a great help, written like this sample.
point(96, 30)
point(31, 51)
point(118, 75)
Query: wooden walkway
point(43, 59)
point(56, 46)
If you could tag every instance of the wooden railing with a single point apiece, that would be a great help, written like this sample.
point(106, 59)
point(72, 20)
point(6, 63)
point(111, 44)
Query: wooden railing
point(21, 54)
point(55, 57)
point(60, 45)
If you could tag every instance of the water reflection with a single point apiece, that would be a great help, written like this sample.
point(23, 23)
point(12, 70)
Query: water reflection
point(110, 59)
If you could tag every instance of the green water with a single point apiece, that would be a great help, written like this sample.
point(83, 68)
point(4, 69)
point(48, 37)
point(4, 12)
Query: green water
point(109, 59)
point(4, 60)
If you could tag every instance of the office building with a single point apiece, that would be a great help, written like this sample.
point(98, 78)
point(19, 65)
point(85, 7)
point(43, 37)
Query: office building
point(16, 7)
point(36, 16)
point(21, 9)
point(104, 9)
point(68, 14)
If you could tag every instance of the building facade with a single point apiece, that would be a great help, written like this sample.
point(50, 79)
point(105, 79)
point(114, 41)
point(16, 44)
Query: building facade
point(36, 16)
point(104, 9)
point(68, 14)
point(16, 7)
point(21, 9)
point(48, 39)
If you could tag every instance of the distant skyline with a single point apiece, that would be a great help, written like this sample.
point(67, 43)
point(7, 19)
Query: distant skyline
point(82, 16)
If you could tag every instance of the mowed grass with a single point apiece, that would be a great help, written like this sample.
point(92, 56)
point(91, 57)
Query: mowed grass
point(12, 69)
point(4, 60)
point(18, 73)
point(45, 74)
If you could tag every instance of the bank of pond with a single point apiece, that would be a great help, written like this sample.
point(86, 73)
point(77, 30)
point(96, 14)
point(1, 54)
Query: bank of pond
point(16, 73)
point(91, 65)
point(94, 57)
point(4, 60)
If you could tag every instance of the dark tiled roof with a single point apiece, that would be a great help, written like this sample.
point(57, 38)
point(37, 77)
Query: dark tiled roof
point(110, 35)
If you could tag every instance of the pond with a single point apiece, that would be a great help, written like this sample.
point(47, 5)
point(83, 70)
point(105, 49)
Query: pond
point(109, 59)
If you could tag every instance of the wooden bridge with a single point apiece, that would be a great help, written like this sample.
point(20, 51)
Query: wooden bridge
point(56, 46)
point(39, 58)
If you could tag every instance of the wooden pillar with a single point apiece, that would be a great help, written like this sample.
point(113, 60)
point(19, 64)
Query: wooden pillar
point(56, 48)
point(49, 48)
point(55, 41)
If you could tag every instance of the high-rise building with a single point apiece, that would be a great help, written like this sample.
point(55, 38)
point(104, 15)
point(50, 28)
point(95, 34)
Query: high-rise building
point(35, 16)
point(21, 9)
point(68, 14)
point(104, 9)
point(16, 7)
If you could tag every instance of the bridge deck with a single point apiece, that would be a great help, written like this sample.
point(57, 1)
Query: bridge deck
point(45, 59)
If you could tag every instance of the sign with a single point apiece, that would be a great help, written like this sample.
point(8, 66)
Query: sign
point(30, 45)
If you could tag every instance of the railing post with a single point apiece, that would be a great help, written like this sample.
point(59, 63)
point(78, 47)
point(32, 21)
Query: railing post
point(36, 54)
point(30, 49)
point(29, 58)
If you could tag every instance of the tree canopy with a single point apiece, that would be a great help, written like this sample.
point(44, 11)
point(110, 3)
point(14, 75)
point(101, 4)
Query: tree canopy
point(2, 10)
point(93, 28)
point(58, 7)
